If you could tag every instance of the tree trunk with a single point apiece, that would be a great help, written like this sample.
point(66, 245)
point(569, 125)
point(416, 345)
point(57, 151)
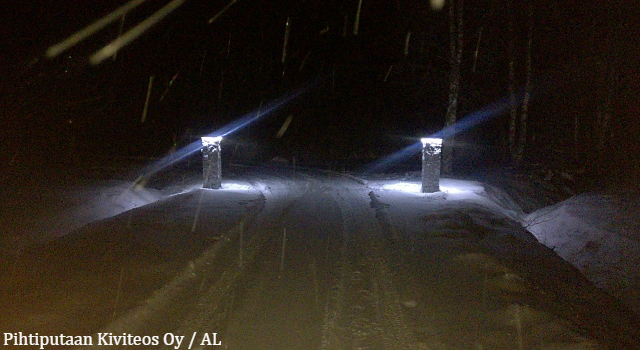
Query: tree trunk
point(456, 33)
point(475, 53)
point(606, 111)
point(522, 134)
point(513, 103)
point(576, 138)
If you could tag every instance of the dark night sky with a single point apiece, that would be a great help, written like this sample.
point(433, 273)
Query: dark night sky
point(352, 109)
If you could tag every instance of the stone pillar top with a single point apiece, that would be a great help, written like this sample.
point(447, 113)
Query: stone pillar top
point(430, 141)
point(210, 140)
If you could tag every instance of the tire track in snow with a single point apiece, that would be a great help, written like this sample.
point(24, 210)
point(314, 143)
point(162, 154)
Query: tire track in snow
point(211, 307)
point(374, 318)
point(282, 307)
point(163, 300)
point(216, 304)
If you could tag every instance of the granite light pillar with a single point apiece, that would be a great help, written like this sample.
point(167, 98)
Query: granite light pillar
point(431, 158)
point(211, 162)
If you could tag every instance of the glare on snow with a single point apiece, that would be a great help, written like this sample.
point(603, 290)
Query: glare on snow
point(231, 186)
point(416, 188)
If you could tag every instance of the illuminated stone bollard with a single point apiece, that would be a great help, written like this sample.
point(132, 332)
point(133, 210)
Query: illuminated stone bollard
point(431, 149)
point(211, 162)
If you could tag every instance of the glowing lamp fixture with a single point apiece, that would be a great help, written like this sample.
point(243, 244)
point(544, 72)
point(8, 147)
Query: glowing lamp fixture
point(430, 141)
point(431, 148)
point(211, 162)
point(210, 140)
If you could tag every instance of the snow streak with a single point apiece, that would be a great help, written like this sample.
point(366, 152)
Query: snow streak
point(91, 29)
point(134, 33)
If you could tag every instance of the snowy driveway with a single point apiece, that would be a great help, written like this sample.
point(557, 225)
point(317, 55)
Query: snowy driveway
point(314, 261)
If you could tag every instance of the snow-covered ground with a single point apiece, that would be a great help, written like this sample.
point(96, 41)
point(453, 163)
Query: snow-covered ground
point(407, 260)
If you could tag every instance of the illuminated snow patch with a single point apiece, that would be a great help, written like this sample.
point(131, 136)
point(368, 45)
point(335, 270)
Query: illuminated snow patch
point(226, 186)
point(233, 186)
point(236, 187)
point(461, 186)
point(403, 187)
point(448, 189)
point(446, 185)
point(416, 188)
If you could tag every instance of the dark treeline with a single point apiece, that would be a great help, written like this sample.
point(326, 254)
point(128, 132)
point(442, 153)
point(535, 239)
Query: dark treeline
point(382, 79)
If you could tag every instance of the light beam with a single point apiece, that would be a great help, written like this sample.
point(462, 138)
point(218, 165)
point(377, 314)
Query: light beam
point(232, 127)
point(470, 121)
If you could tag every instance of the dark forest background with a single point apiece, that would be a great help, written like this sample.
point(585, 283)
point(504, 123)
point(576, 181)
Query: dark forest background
point(371, 94)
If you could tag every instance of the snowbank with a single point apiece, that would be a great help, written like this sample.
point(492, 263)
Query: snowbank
point(41, 214)
point(600, 235)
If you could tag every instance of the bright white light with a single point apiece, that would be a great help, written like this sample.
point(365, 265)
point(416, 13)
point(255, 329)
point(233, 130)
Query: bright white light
point(430, 141)
point(209, 140)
